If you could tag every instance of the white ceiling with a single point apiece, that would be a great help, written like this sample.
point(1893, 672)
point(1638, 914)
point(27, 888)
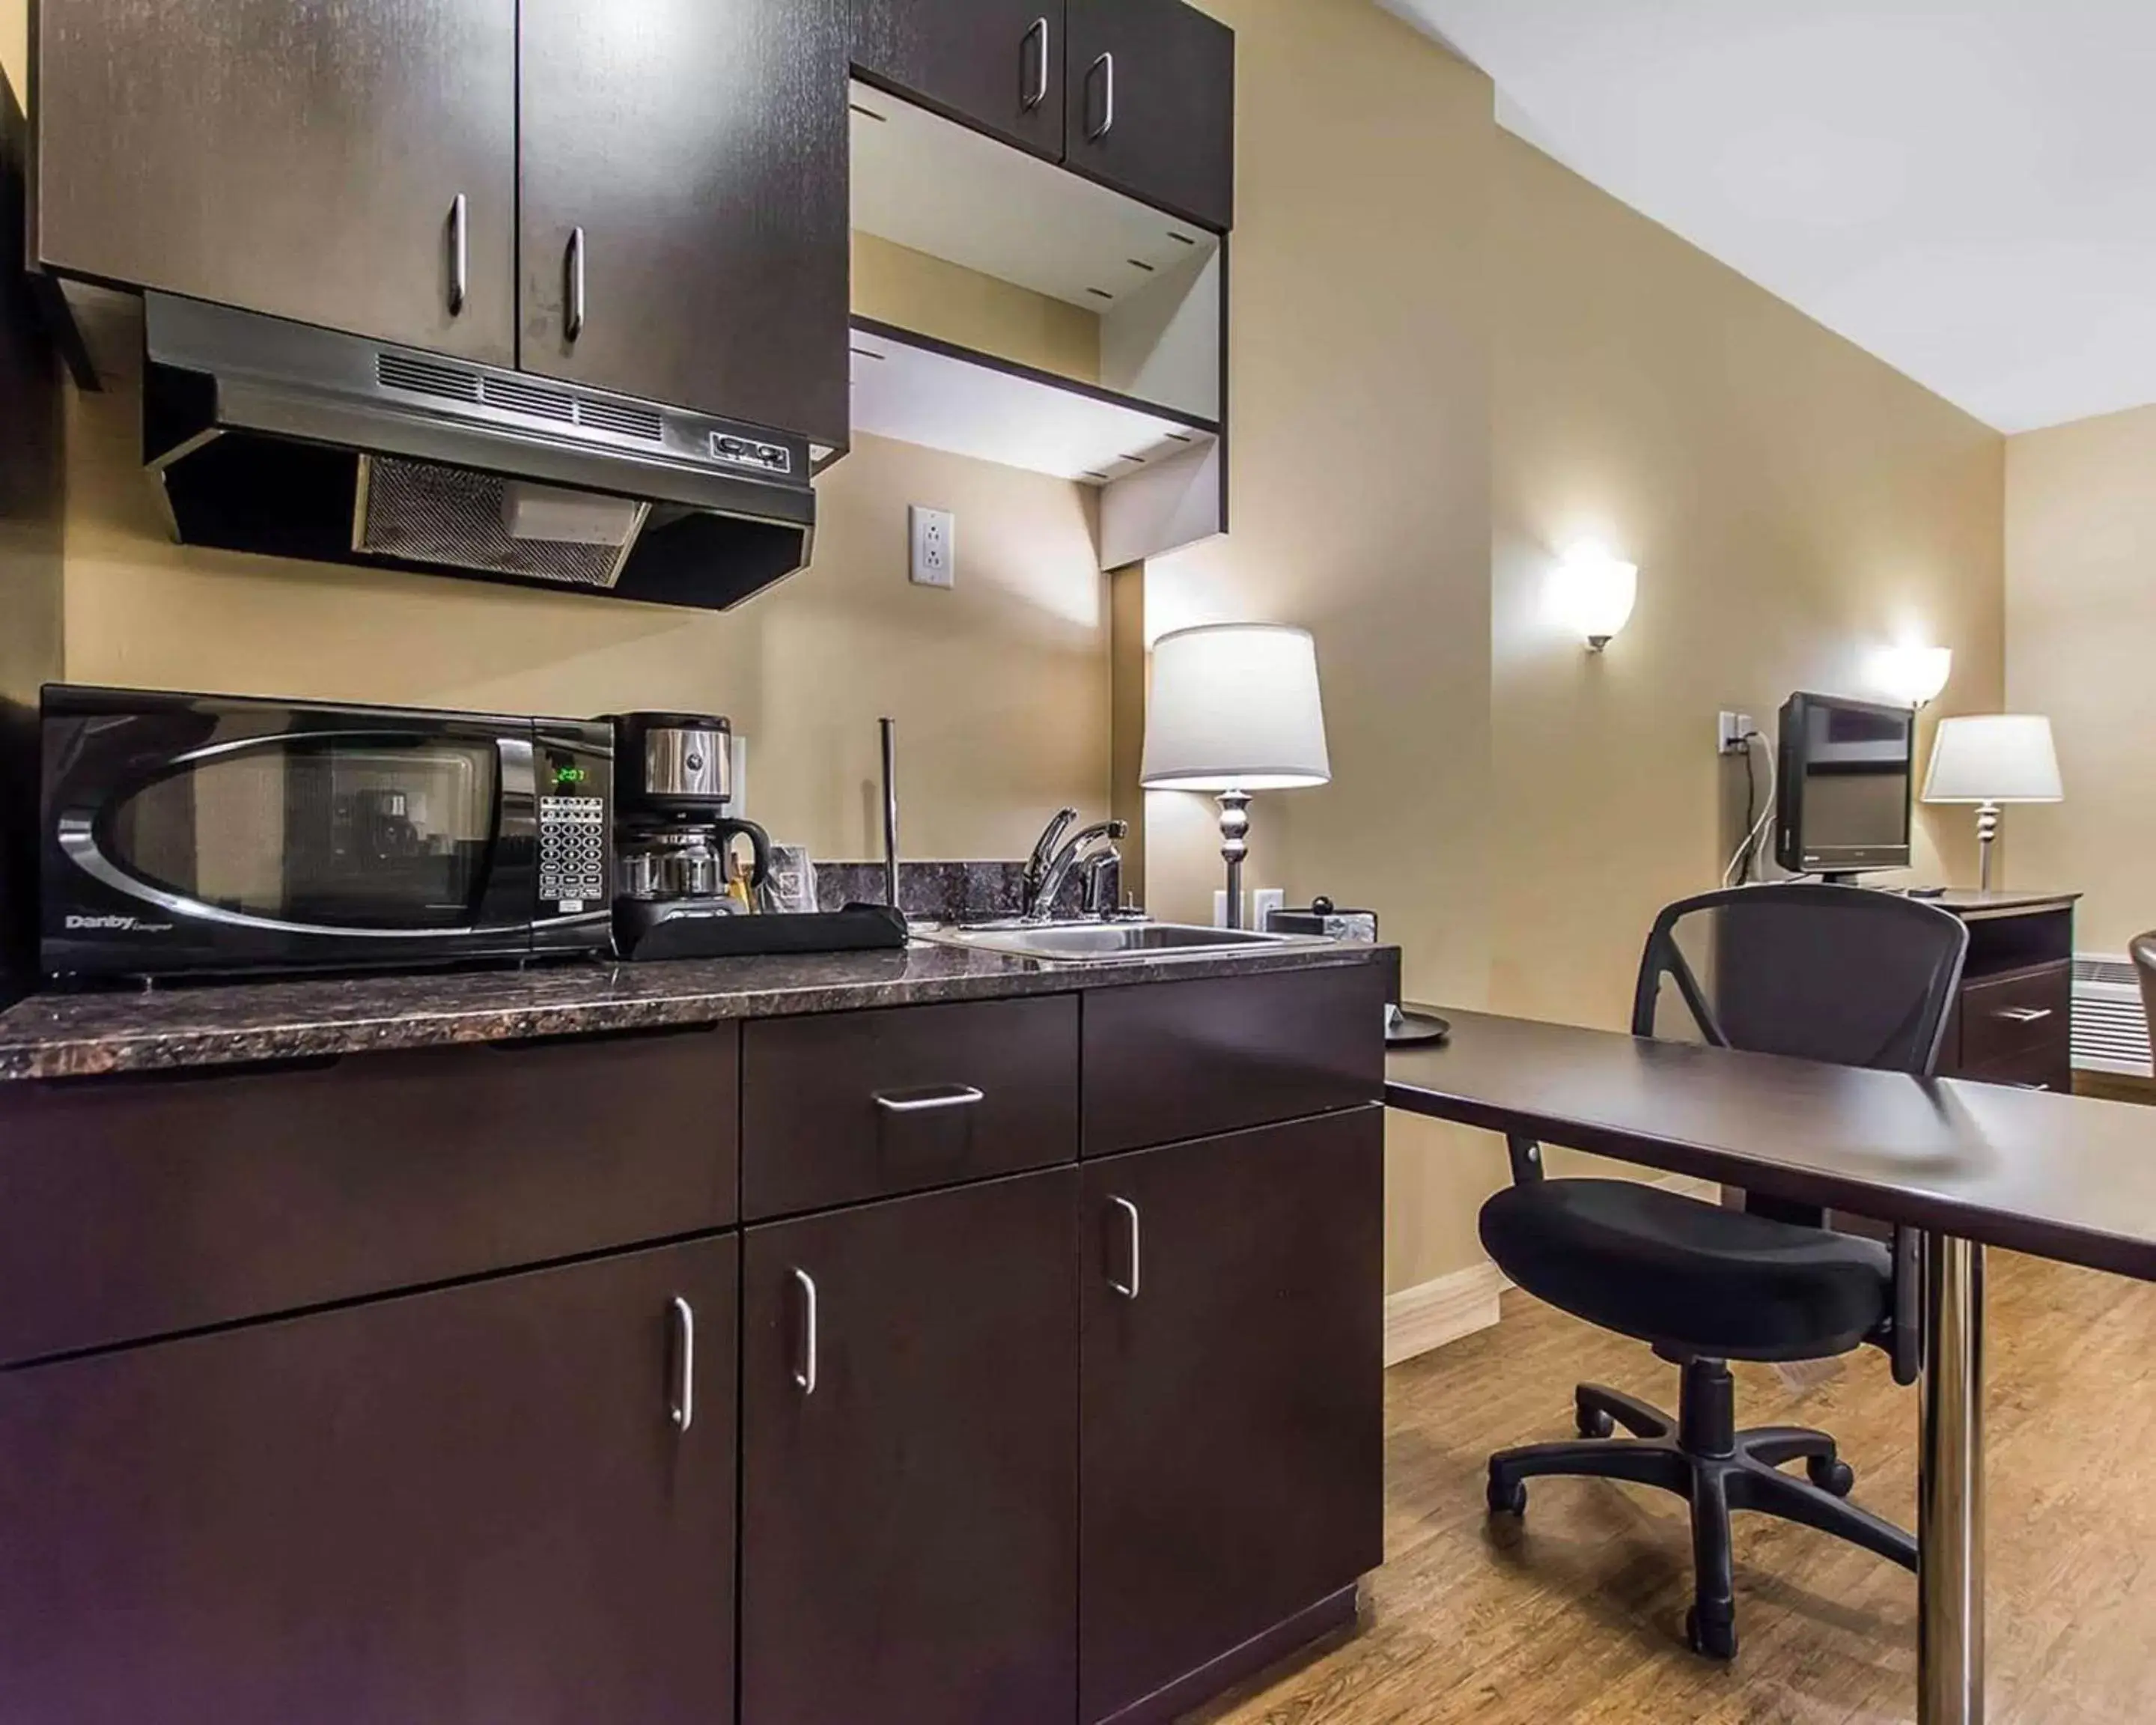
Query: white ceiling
point(1966, 188)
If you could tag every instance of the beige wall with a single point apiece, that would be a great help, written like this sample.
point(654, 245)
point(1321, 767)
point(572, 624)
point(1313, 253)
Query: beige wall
point(1359, 489)
point(2080, 622)
point(898, 284)
point(1793, 504)
point(1449, 357)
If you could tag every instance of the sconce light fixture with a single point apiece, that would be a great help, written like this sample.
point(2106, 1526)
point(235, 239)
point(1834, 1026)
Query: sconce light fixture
point(1914, 675)
point(1593, 593)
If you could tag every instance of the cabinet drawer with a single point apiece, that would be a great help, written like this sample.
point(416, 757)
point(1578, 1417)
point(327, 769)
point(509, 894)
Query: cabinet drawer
point(130, 1208)
point(843, 1106)
point(1169, 1061)
point(2014, 1014)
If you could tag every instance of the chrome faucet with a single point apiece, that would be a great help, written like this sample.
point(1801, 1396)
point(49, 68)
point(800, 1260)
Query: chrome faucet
point(1053, 857)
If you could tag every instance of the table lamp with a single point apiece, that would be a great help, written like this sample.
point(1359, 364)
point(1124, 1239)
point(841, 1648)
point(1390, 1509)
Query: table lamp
point(1234, 709)
point(2002, 758)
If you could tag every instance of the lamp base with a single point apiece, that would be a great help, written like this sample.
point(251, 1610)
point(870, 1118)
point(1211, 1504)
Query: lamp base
point(1987, 832)
point(1235, 834)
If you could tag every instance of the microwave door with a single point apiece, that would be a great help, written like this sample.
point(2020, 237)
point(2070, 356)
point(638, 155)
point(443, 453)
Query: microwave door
point(362, 836)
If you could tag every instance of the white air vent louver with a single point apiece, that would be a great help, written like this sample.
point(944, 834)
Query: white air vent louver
point(2110, 1029)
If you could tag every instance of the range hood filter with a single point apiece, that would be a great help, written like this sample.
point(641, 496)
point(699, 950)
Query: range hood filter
point(418, 512)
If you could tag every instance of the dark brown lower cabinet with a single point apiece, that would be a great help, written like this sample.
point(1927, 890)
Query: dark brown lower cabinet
point(909, 1460)
point(1231, 1406)
point(460, 1507)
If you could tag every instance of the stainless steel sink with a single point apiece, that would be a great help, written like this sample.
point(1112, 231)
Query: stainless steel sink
point(1113, 942)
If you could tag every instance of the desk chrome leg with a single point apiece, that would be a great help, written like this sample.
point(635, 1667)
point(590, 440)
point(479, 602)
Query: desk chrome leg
point(1950, 1488)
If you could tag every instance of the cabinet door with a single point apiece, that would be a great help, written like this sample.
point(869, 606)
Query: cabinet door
point(1232, 1421)
point(301, 158)
point(909, 1460)
point(462, 1507)
point(683, 229)
point(1151, 108)
point(997, 64)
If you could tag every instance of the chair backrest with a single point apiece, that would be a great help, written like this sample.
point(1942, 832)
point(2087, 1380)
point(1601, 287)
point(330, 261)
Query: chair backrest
point(1845, 974)
point(2143, 948)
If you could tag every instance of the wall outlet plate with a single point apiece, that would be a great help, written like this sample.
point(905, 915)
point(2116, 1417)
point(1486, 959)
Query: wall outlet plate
point(934, 537)
point(1264, 903)
point(1730, 730)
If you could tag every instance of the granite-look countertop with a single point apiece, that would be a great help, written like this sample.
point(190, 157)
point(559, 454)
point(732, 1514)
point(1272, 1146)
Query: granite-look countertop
point(79, 1035)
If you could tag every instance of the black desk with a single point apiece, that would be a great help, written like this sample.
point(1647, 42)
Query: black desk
point(1973, 1164)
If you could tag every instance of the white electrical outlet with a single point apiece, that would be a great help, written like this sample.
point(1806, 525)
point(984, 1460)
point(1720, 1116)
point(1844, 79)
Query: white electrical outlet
point(1264, 901)
point(934, 533)
point(1730, 730)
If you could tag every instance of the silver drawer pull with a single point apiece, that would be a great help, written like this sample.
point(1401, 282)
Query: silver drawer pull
point(684, 1408)
point(1039, 93)
point(930, 1101)
point(459, 253)
point(804, 1375)
point(1129, 1290)
point(2023, 1015)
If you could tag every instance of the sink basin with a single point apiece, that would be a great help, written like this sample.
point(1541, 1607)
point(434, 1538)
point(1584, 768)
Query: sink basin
point(1114, 943)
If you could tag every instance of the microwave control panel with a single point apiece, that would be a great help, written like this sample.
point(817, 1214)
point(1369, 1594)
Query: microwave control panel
point(573, 852)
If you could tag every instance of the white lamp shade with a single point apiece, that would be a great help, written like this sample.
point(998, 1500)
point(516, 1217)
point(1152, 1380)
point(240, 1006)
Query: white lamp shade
point(1235, 707)
point(2004, 757)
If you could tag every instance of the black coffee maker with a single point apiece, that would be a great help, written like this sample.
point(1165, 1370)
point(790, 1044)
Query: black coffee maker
point(674, 841)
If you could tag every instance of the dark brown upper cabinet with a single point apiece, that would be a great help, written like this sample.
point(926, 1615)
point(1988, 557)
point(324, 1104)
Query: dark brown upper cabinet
point(1150, 104)
point(910, 1460)
point(351, 165)
point(997, 64)
point(683, 229)
point(1231, 1412)
point(510, 1500)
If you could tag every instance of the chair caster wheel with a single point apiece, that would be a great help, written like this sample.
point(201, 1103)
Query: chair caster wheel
point(1830, 1473)
point(1711, 1640)
point(1594, 1423)
point(1508, 1497)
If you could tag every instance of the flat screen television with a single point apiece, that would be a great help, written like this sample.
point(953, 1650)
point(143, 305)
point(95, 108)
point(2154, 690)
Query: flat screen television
point(1843, 776)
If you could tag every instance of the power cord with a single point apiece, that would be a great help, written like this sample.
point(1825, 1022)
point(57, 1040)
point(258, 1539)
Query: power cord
point(1739, 868)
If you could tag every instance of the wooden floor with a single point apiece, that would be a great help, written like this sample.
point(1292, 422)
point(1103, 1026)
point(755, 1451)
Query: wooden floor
point(1576, 1615)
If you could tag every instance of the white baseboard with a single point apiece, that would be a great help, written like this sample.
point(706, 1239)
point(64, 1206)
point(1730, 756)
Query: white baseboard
point(1432, 1314)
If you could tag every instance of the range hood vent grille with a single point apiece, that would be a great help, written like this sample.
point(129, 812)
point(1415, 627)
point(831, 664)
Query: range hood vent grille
point(517, 395)
point(446, 514)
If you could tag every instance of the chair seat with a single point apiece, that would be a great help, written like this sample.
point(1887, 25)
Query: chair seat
point(1694, 1279)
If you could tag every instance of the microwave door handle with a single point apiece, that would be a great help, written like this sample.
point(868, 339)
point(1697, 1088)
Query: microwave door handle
point(511, 893)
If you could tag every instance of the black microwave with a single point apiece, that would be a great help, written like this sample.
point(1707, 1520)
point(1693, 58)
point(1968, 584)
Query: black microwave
point(221, 834)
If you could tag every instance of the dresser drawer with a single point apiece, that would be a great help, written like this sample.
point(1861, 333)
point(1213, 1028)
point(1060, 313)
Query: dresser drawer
point(132, 1208)
point(2021, 1012)
point(841, 1106)
point(1165, 1061)
point(2031, 1069)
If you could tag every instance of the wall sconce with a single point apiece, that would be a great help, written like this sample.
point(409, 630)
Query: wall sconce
point(1913, 675)
point(1592, 592)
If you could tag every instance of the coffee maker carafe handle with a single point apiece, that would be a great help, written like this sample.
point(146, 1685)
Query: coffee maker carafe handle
point(759, 843)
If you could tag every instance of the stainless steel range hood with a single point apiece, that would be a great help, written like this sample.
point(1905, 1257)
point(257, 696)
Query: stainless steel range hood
point(280, 438)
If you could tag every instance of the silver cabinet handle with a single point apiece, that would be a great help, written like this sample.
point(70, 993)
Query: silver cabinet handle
point(459, 253)
point(804, 1375)
point(1040, 86)
point(1106, 63)
point(1129, 1290)
point(2023, 1015)
point(684, 1408)
point(929, 1101)
point(574, 325)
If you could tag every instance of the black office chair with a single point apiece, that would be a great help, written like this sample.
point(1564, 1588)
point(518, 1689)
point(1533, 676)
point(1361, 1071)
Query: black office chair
point(1837, 973)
